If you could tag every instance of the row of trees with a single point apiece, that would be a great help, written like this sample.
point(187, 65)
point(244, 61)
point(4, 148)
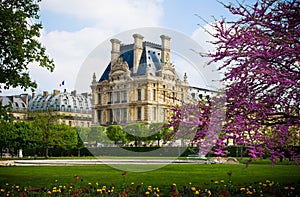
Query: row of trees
point(133, 134)
point(43, 132)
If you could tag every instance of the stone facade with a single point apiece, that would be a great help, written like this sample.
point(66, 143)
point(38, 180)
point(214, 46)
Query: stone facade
point(139, 85)
point(73, 109)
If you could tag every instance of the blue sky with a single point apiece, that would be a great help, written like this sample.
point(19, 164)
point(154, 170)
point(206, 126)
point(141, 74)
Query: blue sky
point(72, 29)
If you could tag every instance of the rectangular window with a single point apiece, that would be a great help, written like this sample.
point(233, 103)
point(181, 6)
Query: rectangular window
point(173, 96)
point(164, 96)
point(111, 115)
point(139, 113)
point(153, 113)
point(99, 98)
point(153, 94)
point(139, 94)
point(118, 97)
point(110, 98)
point(99, 116)
point(118, 115)
point(124, 115)
point(163, 115)
point(125, 97)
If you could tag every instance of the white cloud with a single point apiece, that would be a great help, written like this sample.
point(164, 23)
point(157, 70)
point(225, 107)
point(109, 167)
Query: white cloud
point(70, 49)
point(203, 38)
point(114, 14)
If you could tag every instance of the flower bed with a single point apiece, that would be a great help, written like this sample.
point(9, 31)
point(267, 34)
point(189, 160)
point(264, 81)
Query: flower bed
point(79, 187)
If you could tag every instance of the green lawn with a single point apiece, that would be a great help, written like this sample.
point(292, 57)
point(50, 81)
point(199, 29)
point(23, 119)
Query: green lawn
point(173, 173)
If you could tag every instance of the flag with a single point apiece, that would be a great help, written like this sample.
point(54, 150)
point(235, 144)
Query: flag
point(62, 83)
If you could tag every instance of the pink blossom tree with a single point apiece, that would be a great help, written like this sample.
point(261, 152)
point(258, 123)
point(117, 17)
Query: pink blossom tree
point(260, 54)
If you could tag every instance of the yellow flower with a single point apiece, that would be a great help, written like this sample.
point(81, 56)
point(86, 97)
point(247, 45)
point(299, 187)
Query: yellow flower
point(286, 188)
point(242, 189)
point(132, 183)
point(209, 192)
point(267, 181)
point(49, 192)
point(249, 193)
point(193, 189)
point(174, 184)
point(97, 183)
point(147, 193)
point(2, 190)
point(197, 193)
point(222, 181)
point(216, 182)
point(292, 188)
point(260, 183)
point(104, 187)
point(89, 183)
point(17, 186)
point(265, 185)
point(99, 191)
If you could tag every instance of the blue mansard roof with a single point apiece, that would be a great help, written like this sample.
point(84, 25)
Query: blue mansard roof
point(150, 58)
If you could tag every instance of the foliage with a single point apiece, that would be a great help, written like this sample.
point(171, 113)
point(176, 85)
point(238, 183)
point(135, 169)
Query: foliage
point(97, 135)
point(115, 133)
point(260, 53)
point(19, 45)
point(136, 132)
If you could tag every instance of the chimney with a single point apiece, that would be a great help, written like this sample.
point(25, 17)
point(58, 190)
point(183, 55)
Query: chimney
point(165, 51)
point(73, 93)
point(24, 97)
point(45, 93)
point(115, 50)
point(138, 49)
point(55, 92)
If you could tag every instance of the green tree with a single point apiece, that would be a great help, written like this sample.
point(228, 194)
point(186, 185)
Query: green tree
point(22, 136)
point(115, 133)
point(6, 133)
point(156, 131)
point(97, 135)
point(65, 136)
point(19, 45)
point(44, 124)
point(136, 133)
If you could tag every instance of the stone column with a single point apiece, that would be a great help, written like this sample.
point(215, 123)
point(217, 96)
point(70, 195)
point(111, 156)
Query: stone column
point(165, 45)
point(138, 49)
point(115, 50)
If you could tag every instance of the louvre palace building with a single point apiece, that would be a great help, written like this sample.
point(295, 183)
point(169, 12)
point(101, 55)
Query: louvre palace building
point(140, 84)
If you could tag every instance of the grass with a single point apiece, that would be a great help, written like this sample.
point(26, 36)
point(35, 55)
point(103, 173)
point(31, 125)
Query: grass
point(36, 176)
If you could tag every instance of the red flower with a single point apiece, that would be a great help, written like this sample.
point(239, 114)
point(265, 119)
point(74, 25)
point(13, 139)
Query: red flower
point(175, 194)
point(24, 194)
point(229, 174)
point(124, 174)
